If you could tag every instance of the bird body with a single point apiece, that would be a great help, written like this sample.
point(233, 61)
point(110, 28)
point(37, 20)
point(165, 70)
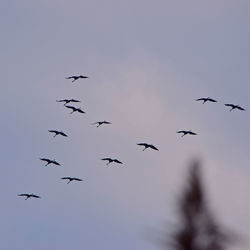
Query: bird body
point(74, 109)
point(68, 101)
point(77, 77)
point(58, 133)
point(111, 160)
point(29, 196)
point(100, 123)
point(71, 179)
point(147, 146)
point(206, 99)
point(50, 161)
point(233, 106)
point(186, 132)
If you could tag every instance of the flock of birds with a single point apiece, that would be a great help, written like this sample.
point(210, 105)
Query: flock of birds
point(99, 123)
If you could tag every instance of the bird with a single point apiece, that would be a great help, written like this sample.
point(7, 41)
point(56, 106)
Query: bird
point(111, 160)
point(233, 106)
point(147, 146)
point(74, 109)
point(29, 196)
point(50, 161)
point(71, 179)
point(100, 123)
point(76, 77)
point(207, 99)
point(68, 101)
point(186, 132)
point(57, 133)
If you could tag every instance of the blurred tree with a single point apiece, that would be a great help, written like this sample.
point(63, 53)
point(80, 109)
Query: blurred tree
point(198, 229)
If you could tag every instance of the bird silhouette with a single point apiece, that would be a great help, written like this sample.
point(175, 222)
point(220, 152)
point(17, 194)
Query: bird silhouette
point(77, 77)
point(233, 106)
point(50, 161)
point(100, 123)
point(147, 146)
point(67, 101)
point(58, 133)
point(207, 99)
point(186, 132)
point(111, 160)
point(74, 109)
point(71, 179)
point(29, 196)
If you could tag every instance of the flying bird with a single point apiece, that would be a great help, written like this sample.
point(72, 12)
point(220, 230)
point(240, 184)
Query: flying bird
point(76, 77)
point(29, 196)
point(71, 179)
point(50, 161)
point(100, 123)
point(74, 109)
point(186, 132)
point(233, 106)
point(58, 133)
point(147, 146)
point(111, 160)
point(207, 99)
point(67, 101)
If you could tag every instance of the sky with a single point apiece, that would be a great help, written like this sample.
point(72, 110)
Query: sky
point(147, 62)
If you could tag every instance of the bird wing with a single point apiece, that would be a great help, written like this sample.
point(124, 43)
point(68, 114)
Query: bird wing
point(77, 179)
point(44, 159)
point(62, 100)
point(240, 108)
point(192, 133)
point(53, 131)
point(200, 99)
point(211, 100)
point(153, 147)
point(181, 131)
point(56, 163)
point(71, 77)
point(23, 194)
point(65, 178)
point(106, 122)
point(229, 105)
point(80, 111)
point(106, 159)
point(73, 100)
point(70, 107)
point(115, 160)
point(35, 196)
point(142, 144)
point(63, 134)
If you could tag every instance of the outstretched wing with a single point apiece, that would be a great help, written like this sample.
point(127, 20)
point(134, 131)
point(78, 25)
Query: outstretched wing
point(53, 131)
point(73, 100)
point(115, 160)
point(153, 147)
point(44, 159)
point(56, 163)
point(200, 99)
point(77, 179)
point(229, 105)
point(35, 196)
point(192, 133)
point(63, 134)
point(211, 100)
point(142, 144)
point(106, 159)
point(71, 77)
point(23, 195)
point(65, 178)
point(240, 108)
point(181, 131)
point(70, 107)
point(80, 111)
point(105, 122)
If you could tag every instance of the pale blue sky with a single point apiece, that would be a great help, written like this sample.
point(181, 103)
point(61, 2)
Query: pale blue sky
point(147, 62)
